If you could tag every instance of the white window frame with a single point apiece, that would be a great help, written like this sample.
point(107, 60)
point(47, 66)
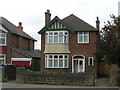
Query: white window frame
point(89, 61)
point(3, 38)
point(47, 60)
point(83, 34)
point(53, 32)
point(4, 62)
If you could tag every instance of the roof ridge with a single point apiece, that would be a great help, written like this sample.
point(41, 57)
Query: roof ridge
point(8, 21)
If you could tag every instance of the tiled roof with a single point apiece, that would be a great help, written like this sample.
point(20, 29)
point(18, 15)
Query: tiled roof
point(28, 53)
point(13, 29)
point(77, 24)
point(72, 23)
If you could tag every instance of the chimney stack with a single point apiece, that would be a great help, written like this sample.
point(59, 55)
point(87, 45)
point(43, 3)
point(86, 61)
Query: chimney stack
point(97, 24)
point(20, 28)
point(47, 17)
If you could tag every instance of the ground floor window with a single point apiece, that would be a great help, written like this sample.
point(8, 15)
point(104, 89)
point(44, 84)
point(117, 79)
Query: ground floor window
point(90, 61)
point(2, 59)
point(56, 61)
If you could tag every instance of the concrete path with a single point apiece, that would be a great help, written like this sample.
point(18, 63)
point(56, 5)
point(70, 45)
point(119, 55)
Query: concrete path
point(102, 81)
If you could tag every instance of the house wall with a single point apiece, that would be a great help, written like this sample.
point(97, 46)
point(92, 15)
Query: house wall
point(9, 44)
point(87, 50)
point(14, 40)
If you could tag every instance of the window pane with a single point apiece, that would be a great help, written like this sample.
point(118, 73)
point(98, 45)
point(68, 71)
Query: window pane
point(65, 39)
point(60, 33)
point(1, 62)
point(81, 64)
point(66, 63)
point(85, 33)
point(80, 39)
point(55, 33)
point(60, 39)
point(90, 61)
point(50, 56)
point(2, 56)
point(80, 33)
point(66, 56)
point(2, 40)
point(55, 63)
point(50, 39)
point(50, 33)
point(60, 56)
point(46, 63)
point(56, 39)
point(85, 38)
point(60, 63)
point(50, 63)
point(66, 33)
point(55, 56)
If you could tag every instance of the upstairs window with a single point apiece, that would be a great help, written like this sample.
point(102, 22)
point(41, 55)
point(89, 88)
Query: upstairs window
point(83, 37)
point(2, 39)
point(2, 59)
point(57, 37)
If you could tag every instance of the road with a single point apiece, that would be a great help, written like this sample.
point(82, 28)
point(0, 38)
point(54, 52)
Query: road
point(12, 85)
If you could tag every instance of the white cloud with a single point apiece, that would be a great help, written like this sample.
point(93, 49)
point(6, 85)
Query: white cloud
point(31, 12)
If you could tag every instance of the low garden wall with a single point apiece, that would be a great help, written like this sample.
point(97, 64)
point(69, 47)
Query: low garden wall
point(24, 76)
point(7, 72)
point(114, 78)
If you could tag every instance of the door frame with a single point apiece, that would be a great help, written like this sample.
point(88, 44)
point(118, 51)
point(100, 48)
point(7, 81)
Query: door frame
point(78, 61)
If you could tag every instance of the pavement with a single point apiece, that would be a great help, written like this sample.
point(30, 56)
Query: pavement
point(13, 84)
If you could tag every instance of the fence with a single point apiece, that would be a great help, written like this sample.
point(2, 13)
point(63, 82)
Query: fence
point(24, 76)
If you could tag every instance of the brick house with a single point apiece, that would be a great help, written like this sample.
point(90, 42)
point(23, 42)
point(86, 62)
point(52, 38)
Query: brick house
point(16, 46)
point(68, 45)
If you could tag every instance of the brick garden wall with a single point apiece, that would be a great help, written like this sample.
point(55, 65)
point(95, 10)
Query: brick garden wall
point(114, 77)
point(24, 76)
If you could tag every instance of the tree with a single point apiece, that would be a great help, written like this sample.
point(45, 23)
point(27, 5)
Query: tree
point(109, 43)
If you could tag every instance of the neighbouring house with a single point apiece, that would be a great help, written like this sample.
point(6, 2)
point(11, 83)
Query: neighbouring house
point(16, 46)
point(68, 45)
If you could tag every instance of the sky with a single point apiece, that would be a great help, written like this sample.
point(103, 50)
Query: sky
point(31, 12)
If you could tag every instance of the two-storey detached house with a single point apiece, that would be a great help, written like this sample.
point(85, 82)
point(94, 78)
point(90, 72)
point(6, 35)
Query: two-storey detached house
point(68, 45)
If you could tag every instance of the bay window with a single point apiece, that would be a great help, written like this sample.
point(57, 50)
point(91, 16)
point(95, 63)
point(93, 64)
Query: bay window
point(57, 37)
point(56, 61)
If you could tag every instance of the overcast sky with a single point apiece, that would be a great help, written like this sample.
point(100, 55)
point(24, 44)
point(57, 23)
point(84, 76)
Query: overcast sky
point(31, 12)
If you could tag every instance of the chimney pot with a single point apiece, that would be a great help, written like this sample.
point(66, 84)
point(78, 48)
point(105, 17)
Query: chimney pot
point(20, 24)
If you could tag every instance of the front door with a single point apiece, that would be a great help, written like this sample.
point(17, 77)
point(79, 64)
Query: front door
point(78, 65)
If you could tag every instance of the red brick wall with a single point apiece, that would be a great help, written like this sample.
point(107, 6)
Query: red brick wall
point(15, 54)
point(14, 40)
point(87, 50)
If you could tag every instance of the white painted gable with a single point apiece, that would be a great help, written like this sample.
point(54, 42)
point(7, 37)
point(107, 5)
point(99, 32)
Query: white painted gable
point(56, 25)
